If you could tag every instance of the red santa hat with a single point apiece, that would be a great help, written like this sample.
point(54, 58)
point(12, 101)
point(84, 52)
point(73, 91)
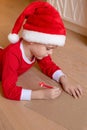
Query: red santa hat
point(41, 23)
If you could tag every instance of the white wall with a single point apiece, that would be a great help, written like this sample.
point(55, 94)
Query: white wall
point(73, 12)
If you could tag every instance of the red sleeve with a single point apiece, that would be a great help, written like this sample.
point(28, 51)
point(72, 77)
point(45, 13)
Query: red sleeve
point(47, 66)
point(9, 77)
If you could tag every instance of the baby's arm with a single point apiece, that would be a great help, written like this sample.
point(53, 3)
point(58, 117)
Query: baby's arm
point(74, 90)
point(55, 72)
point(10, 76)
point(46, 93)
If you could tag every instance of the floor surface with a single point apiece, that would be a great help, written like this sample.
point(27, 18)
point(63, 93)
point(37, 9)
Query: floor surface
point(63, 113)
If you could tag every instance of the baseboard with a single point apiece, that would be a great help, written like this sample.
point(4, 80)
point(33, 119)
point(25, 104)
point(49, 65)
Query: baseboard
point(76, 28)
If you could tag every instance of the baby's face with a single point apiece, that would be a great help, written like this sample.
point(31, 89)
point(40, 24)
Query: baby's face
point(40, 50)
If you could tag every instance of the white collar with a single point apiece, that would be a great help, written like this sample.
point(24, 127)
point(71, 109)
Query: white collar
point(24, 56)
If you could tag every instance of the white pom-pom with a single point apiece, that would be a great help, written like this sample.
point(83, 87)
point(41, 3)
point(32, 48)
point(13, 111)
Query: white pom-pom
point(13, 38)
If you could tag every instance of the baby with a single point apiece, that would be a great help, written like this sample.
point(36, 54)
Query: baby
point(43, 31)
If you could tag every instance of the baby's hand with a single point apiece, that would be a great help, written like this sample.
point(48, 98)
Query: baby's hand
point(51, 93)
point(74, 90)
point(46, 93)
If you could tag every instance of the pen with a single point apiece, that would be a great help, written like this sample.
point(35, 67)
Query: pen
point(42, 84)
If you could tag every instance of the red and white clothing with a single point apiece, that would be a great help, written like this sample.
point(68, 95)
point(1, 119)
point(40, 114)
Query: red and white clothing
point(13, 63)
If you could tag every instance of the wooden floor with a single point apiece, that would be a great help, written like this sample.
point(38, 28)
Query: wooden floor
point(63, 113)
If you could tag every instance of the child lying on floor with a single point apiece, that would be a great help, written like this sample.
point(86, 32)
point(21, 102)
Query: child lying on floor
point(43, 31)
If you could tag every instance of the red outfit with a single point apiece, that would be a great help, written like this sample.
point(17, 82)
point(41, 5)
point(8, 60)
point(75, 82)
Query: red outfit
point(13, 62)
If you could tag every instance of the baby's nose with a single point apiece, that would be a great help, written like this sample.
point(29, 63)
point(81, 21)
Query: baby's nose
point(50, 51)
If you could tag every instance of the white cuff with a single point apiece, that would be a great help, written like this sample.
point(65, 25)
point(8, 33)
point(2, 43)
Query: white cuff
point(57, 74)
point(26, 94)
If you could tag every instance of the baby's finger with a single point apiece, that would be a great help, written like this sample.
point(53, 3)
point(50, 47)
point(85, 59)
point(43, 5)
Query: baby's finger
point(54, 87)
point(74, 94)
point(57, 90)
point(56, 95)
point(78, 93)
point(80, 90)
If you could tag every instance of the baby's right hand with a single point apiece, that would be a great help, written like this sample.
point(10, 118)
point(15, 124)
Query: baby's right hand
point(46, 93)
point(51, 93)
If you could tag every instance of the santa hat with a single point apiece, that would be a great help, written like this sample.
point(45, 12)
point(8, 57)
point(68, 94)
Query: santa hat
point(42, 24)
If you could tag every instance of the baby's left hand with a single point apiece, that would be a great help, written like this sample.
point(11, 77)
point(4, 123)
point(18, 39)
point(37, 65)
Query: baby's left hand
point(73, 90)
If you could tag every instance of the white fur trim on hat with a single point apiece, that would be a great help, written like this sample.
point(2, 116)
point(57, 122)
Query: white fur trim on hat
point(43, 38)
point(13, 38)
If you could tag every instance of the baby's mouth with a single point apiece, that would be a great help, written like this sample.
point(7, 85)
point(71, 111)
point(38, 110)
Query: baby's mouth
point(39, 58)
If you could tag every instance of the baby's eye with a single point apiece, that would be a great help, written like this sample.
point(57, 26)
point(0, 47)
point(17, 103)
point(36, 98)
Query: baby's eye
point(50, 47)
point(47, 48)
